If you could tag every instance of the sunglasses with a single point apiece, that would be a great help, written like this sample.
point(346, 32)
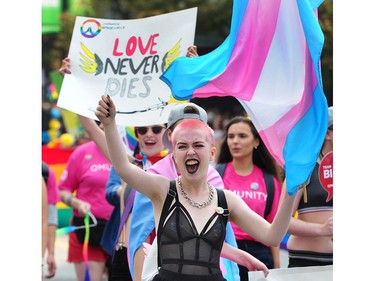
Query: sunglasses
point(155, 129)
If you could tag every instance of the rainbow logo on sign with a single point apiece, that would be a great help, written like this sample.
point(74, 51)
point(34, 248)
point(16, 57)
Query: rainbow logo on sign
point(90, 28)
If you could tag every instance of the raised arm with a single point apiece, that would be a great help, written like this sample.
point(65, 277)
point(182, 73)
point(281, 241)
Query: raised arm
point(92, 129)
point(89, 125)
point(153, 186)
point(95, 133)
point(255, 225)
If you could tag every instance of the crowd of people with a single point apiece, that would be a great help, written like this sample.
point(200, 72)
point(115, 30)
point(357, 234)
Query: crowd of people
point(202, 191)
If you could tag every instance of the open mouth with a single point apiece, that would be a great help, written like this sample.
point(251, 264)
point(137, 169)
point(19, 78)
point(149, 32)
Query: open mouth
point(192, 166)
point(150, 142)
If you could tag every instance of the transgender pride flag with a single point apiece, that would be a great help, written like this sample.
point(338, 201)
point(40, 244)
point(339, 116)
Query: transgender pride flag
point(271, 63)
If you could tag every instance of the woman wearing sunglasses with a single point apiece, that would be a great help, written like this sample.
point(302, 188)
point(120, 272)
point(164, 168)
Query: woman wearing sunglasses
point(155, 129)
point(150, 142)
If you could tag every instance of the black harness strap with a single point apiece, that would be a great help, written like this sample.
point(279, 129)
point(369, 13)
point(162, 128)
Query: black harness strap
point(168, 201)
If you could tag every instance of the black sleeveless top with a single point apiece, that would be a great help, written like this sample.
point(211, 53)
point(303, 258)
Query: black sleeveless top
point(181, 249)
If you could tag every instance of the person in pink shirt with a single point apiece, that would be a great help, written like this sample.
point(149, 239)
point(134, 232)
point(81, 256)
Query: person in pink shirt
point(252, 174)
point(82, 186)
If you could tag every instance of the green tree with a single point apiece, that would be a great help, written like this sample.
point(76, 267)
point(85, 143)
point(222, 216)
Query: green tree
point(326, 22)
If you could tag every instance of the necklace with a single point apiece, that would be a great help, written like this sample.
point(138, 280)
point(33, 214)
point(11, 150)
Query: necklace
point(191, 201)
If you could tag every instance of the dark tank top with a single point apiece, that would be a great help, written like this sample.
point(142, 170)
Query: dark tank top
point(181, 249)
point(317, 197)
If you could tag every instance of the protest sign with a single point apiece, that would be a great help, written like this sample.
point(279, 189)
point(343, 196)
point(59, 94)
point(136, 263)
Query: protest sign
point(124, 59)
point(326, 174)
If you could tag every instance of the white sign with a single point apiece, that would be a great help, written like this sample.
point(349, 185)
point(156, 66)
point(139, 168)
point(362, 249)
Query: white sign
point(124, 59)
point(310, 273)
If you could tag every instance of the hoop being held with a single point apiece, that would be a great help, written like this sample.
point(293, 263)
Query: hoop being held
point(202, 229)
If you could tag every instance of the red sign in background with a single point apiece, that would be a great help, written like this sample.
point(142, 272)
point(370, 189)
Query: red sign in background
point(326, 174)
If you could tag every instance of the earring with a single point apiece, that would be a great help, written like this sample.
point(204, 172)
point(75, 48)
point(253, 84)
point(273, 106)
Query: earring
point(255, 147)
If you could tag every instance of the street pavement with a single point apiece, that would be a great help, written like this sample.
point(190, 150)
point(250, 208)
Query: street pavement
point(65, 271)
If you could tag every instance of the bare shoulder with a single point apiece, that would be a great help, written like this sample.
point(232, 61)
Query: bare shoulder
point(236, 206)
point(232, 198)
point(159, 192)
point(239, 211)
point(162, 185)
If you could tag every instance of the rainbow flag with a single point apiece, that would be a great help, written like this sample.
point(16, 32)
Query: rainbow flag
point(131, 139)
point(270, 62)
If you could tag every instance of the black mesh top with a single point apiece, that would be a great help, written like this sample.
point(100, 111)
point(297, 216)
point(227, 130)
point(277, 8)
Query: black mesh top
point(181, 248)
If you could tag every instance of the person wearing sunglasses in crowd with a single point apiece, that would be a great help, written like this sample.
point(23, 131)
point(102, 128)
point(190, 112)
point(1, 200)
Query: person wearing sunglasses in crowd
point(190, 214)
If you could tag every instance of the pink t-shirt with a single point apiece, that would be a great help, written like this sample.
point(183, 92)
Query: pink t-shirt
point(252, 189)
point(87, 173)
point(52, 191)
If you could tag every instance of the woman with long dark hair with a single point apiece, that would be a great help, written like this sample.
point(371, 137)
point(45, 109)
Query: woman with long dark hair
point(249, 170)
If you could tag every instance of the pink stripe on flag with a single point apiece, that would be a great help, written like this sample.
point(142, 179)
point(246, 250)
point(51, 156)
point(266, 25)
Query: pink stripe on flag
point(275, 136)
point(252, 48)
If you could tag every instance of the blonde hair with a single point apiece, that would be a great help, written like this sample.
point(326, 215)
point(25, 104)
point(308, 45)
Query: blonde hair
point(189, 124)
